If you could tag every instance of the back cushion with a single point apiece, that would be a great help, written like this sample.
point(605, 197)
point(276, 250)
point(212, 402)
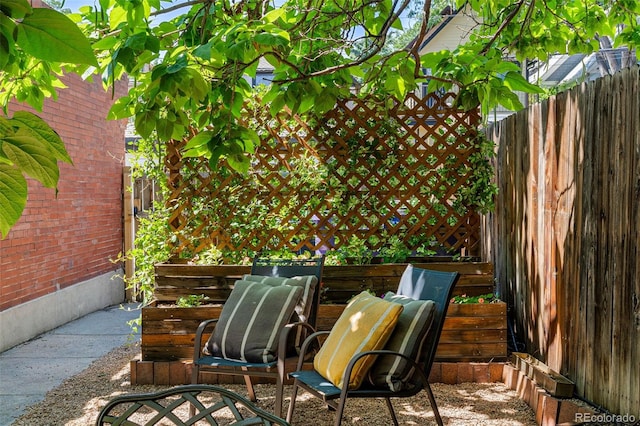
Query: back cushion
point(365, 325)
point(307, 282)
point(251, 321)
point(407, 338)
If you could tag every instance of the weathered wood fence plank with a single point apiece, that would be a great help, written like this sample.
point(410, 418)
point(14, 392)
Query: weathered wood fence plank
point(564, 239)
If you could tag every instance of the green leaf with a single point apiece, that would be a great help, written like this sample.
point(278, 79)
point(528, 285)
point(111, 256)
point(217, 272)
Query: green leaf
point(32, 157)
point(325, 101)
point(239, 163)
point(41, 130)
point(203, 51)
point(516, 82)
point(16, 9)
point(6, 128)
point(121, 108)
point(145, 123)
point(106, 43)
point(277, 104)
point(49, 35)
point(510, 101)
point(198, 145)
point(273, 15)
point(165, 129)
point(13, 197)
point(268, 39)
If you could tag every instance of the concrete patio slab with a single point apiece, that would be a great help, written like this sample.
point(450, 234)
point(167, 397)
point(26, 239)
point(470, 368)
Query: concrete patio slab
point(30, 370)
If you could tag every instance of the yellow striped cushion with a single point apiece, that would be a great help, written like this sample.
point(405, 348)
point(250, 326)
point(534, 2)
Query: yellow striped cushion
point(365, 325)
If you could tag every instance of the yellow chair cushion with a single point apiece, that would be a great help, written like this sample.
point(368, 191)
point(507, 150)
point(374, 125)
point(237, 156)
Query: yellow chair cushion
point(366, 324)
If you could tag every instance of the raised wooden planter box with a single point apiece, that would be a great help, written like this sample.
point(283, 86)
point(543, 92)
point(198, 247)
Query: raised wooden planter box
point(340, 282)
point(472, 332)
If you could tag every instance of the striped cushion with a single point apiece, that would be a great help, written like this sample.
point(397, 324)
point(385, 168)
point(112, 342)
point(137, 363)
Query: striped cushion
point(251, 321)
point(407, 338)
point(365, 324)
point(307, 282)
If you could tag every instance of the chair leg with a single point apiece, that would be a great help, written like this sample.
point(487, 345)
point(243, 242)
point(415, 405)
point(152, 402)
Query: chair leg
point(250, 391)
point(432, 401)
point(391, 411)
point(292, 404)
point(340, 411)
point(279, 390)
point(195, 373)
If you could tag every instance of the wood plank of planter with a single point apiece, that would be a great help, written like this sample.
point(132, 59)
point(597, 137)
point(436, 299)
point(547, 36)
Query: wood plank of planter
point(476, 309)
point(474, 332)
point(171, 294)
point(173, 269)
point(469, 351)
point(553, 382)
point(168, 333)
point(342, 282)
point(471, 331)
point(213, 281)
point(345, 281)
point(477, 335)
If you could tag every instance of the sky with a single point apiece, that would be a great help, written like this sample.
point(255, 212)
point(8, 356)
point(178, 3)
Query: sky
point(74, 5)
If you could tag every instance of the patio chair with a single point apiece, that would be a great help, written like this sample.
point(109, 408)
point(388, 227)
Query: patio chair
point(400, 367)
point(267, 315)
point(185, 405)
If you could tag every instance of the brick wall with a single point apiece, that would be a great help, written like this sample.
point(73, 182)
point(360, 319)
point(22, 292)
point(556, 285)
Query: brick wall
point(69, 238)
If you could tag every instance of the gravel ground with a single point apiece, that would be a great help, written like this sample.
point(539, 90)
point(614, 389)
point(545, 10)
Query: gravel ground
point(79, 399)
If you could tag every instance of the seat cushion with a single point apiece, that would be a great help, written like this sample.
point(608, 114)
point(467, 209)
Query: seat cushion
point(365, 324)
point(307, 282)
point(407, 338)
point(251, 320)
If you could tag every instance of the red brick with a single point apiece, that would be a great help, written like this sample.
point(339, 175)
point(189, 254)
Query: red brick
point(435, 376)
point(70, 237)
point(144, 373)
point(133, 371)
point(480, 372)
point(567, 412)
point(495, 372)
point(449, 373)
point(177, 373)
point(465, 372)
point(547, 411)
point(510, 377)
point(161, 373)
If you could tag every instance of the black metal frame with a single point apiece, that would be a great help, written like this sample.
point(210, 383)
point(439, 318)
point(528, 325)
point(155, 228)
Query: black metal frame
point(422, 366)
point(164, 405)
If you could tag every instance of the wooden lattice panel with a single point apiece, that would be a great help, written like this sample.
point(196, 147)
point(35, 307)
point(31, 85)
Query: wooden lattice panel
point(358, 171)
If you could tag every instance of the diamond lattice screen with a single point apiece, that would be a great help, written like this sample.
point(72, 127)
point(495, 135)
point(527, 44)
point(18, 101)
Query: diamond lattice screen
point(358, 171)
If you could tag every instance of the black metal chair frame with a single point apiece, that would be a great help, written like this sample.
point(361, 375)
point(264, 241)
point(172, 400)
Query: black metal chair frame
point(277, 369)
point(165, 403)
point(422, 368)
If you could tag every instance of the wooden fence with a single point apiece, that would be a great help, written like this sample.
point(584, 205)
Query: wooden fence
point(565, 235)
point(361, 170)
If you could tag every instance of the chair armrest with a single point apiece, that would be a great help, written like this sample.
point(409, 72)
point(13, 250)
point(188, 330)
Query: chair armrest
point(313, 337)
point(382, 352)
point(197, 342)
point(286, 332)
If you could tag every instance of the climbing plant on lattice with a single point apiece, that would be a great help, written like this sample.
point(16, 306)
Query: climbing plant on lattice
point(361, 170)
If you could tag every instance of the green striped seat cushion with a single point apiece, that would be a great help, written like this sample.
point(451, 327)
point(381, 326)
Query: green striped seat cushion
point(307, 282)
point(407, 338)
point(251, 321)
